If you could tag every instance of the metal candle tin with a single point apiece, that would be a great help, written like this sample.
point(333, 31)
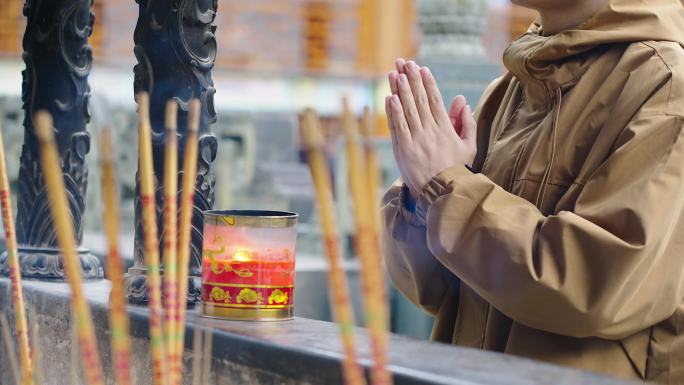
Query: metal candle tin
point(248, 262)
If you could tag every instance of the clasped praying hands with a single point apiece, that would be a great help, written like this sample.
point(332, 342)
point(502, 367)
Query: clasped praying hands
point(426, 140)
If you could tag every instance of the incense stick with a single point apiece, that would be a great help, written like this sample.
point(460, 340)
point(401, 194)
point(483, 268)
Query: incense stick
point(185, 224)
point(9, 347)
point(371, 276)
point(170, 239)
point(341, 304)
point(75, 376)
point(61, 215)
point(208, 343)
point(118, 317)
point(36, 351)
point(197, 343)
point(14, 272)
point(373, 183)
point(372, 166)
point(150, 236)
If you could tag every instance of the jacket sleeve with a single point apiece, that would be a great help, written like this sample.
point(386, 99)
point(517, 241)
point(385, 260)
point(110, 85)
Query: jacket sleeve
point(411, 266)
point(612, 267)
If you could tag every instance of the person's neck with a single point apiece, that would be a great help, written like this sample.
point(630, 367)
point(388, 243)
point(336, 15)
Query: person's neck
point(558, 18)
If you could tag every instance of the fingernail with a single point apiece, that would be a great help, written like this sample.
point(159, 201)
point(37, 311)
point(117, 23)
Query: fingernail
point(403, 78)
point(395, 99)
point(413, 65)
point(469, 109)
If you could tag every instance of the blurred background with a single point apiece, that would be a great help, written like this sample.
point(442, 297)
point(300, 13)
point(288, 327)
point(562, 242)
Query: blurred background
point(276, 57)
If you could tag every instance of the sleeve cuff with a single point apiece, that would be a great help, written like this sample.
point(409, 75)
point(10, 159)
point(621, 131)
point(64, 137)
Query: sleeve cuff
point(407, 208)
point(437, 187)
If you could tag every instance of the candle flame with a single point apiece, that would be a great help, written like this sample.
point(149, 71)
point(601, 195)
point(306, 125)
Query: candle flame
point(242, 255)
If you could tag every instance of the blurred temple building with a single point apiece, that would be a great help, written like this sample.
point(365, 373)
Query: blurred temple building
point(276, 57)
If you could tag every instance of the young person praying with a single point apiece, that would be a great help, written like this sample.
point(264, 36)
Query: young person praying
point(549, 224)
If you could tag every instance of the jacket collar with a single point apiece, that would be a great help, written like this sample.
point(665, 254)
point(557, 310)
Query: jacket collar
point(544, 64)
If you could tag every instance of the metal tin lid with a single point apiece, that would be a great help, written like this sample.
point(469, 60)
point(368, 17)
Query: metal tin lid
point(251, 218)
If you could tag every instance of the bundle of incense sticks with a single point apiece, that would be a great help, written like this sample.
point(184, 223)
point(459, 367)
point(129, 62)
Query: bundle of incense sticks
point(61, 216)
point(170, 235)
point(149, 219)
point(371, 275)
point(185, 234)
point(341, 305)
point(374, 183)
point(118, 317)
point(14, 272)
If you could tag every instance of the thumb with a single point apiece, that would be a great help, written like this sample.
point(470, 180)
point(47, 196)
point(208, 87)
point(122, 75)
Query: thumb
point(468, 126)
point(457, 106)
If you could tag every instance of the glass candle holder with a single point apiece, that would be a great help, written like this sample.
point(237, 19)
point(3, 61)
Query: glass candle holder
point(248, 265)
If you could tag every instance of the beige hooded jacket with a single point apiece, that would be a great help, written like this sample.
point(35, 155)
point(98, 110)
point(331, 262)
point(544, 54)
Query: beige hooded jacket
point(568, 245)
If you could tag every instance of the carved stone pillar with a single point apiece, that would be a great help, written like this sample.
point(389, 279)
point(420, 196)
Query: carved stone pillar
point(176, 48)
point(58, 60)
point(451, 45)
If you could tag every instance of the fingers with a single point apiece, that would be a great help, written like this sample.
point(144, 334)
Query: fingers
point(408, 104)
point(393, 131)
point(393, 77)
point(419, 93)
point(401, 65)
point(434, 97)
point(469, 130)
point(399, 122)
point(457, 106)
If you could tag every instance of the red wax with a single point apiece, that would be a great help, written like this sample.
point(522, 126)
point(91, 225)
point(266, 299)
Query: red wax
point(253, 272)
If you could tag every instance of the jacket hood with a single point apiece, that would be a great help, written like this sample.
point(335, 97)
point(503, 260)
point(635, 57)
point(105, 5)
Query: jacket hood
point(551, 59)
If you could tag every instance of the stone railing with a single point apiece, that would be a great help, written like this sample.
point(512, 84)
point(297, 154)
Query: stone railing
point(301, 351)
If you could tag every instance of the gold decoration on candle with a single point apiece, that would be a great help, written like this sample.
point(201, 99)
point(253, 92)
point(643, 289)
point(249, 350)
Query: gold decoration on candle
point(337, 279)
point(224, 267)
point(20, 322)
point(61, 215)
point(149, 219)
point(250, 296)
point(372, 278)
point(118, 316)
point(277, 296)
point(218, 294)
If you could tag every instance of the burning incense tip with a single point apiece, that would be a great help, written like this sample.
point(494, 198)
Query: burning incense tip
point(367, 126)
point(311, 132)
point(43, 125)
point(143, 100)
point(171, 116)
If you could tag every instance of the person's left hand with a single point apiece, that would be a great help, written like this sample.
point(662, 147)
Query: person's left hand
point(427, 140)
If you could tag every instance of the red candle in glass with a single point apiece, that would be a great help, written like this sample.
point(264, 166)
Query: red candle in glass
point(248, 262)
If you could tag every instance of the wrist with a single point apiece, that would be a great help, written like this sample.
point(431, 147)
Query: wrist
point(440, 185)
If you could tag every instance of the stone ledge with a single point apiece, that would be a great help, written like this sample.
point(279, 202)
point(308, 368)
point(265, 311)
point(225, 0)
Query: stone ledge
point(302, 351)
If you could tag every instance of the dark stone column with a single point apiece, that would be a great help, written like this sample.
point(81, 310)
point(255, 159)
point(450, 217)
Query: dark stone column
point(58, 60)
point(176, 49)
